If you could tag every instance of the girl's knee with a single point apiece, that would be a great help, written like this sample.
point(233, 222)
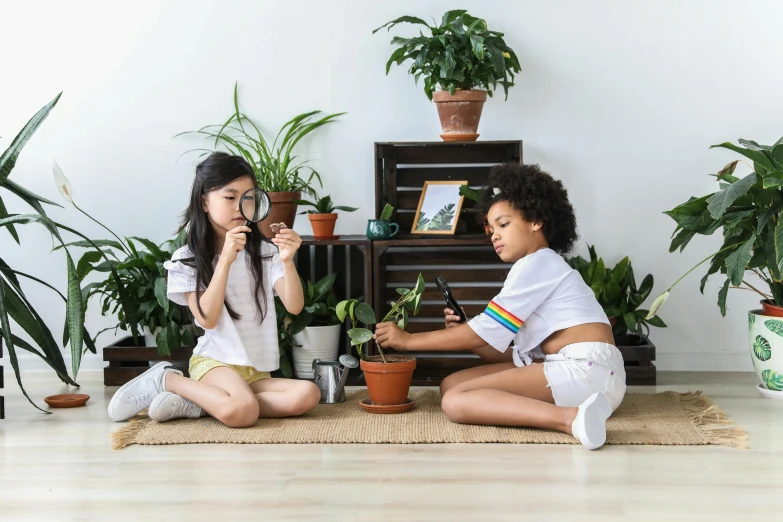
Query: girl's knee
point(239, 413)
point(447, 384)
point(452, 406)
point(307, 398)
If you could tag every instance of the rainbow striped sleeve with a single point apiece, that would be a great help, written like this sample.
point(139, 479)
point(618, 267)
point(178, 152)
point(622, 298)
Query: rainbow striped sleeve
point(504, 317)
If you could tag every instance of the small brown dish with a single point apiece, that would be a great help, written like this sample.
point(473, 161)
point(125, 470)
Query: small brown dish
point(389, 408)
point(67, 400)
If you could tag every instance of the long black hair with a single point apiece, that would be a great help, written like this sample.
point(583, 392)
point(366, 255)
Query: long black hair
point(215, 172)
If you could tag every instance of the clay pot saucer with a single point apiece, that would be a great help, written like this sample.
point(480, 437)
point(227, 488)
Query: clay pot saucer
point(67, 400)
point(388, 408)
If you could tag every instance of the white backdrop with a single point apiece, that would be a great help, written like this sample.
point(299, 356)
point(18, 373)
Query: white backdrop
point(619, 99)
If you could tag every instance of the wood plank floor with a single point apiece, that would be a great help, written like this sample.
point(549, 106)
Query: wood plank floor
point(62, 467)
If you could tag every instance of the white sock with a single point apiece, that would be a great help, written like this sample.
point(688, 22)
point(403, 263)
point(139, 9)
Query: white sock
point(589, 427)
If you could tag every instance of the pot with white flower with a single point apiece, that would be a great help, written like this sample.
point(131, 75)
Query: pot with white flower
point(461, 62)
point(748, 210)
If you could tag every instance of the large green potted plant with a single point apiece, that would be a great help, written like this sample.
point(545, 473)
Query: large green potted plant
point(388, 377)
point(461, 62)
point(747, 210)
point(14, 303)
point(282, 174)
point(323, 217)
point(315, 332)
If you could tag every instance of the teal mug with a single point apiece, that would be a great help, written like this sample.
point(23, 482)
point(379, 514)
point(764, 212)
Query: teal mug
point(381, 229)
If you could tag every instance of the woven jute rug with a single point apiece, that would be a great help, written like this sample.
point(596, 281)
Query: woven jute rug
point(667, 418)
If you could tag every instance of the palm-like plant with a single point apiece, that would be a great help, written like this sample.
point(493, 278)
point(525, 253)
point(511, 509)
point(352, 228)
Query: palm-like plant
point(14, 304)
point(460, 53)
point(322, 205)
point(276, 167)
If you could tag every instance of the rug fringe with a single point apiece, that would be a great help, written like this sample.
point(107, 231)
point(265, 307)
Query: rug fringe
point(712, 422)
point(124, 437)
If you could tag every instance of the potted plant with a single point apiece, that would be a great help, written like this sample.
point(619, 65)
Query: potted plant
point(381, 228)
point(323, 218)
point(461, 62)
point(315, 332)
point(617, 293)
point(15, 305)
point(278, 170)
point(388, 377)
point(748, 211)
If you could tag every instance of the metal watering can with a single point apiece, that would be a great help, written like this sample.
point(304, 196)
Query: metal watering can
point(330, 377)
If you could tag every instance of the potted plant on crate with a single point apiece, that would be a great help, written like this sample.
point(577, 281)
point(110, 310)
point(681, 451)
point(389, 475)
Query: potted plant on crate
point(748, 211)
point(388, 376)
point(323, 217)
point(278, 171)
point(315, 332)
point(381, 228)
point(461, 62)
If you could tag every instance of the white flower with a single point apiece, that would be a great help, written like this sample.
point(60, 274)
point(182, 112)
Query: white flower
point(63, 185)
point(657, 304)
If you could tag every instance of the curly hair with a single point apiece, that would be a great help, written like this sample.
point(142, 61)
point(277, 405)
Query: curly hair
point(539, 197)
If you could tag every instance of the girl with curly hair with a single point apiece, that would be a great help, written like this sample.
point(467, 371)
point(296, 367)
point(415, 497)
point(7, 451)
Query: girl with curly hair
point(550, 356)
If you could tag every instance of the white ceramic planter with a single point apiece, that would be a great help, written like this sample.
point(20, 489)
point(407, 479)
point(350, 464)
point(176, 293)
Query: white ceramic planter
point(315, 342)
point(150, 337)
point(766, 349)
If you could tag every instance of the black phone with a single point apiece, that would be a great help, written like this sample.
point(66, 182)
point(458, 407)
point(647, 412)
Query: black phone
point(450, 301)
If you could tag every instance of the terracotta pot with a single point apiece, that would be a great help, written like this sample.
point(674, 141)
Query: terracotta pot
point(323, 225)
point(459, 114)
point(770, 309)
point(282, 211)
point(613, 321)
point(388, 382)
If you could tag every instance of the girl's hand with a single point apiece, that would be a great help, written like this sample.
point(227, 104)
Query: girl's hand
point(234, 243)
point(288, 242)
point(389, 335)
point(452, 319)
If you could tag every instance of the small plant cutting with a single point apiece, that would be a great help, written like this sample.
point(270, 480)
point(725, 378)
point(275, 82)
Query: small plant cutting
point(322, 217)
point(460, 62)
point(748, 212)
point(388, 377)
point(617, 293)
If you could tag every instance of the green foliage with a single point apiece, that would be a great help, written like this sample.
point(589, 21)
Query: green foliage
point(747, 211)
point(409, 303)
point(617, 293)
point(322, 205)
point(442, 221)
point(276, 167)
point(460, 53)
point(386, 213)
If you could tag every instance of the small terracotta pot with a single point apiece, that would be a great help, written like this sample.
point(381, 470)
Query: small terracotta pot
point(459, 114)
point(770, 309)
point(282, 211)
point(388, 382)
point(323, 225)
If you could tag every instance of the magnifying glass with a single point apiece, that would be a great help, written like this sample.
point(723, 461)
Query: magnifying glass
point(254, 206)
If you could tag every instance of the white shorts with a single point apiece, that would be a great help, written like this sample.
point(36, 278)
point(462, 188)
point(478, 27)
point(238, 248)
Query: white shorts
point(582, 369)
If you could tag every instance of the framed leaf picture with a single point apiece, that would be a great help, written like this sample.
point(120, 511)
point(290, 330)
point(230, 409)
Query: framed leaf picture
point(439, 207)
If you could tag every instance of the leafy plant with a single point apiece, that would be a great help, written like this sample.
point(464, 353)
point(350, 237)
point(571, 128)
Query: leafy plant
point(320, 302)
point(748, 211)
point(138, 295)
point(469, 193)
point(322, 206)
point(460, 53)
point(617, 293)
point(276, 167)
point(14, 304)
point(386, 213)
point(408, 304)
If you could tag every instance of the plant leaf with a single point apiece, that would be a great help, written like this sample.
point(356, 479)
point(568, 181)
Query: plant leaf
point(722, 294)
point(720, 201)
point(360, 335)
point(365, 314)
point(738, 260)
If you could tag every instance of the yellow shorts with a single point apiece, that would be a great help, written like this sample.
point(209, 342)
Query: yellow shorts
point(199, 366)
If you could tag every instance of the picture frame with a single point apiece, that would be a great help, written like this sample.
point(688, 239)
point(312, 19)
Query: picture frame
point(439, 207)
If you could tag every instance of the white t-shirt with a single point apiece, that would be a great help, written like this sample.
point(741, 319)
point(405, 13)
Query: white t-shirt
point(541, 295)
point(245, 341)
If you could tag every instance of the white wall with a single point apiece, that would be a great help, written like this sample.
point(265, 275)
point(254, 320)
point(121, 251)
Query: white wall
point(619, 99)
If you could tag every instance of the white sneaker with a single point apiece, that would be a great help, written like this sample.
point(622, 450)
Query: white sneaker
point(167, 406)
point(137, 394)
point(589, 427)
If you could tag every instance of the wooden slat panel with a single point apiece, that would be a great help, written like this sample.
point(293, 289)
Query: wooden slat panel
point(416, 176)
point(477, 152)
point(640, 375)
point(443, 256)
point(455, 275)
point(129, 353)
point(475, 293)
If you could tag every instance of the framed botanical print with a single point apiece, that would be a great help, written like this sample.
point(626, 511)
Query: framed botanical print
point(439, 208)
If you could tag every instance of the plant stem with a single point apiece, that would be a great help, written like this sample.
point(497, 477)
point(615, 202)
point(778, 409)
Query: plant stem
point(104, 226)
point(756, 290)
point(702, 262)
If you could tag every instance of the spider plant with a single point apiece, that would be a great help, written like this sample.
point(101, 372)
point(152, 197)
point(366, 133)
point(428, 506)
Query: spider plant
point(276, 166)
